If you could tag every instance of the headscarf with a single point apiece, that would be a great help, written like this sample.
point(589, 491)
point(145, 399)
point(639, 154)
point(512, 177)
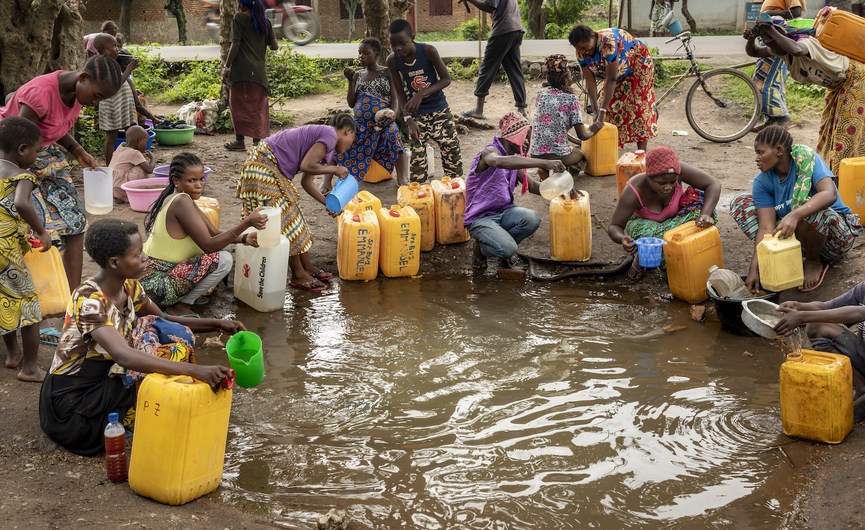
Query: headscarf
point(661, 161)
point(556, 63)
point(259, 20)
point(514, 127)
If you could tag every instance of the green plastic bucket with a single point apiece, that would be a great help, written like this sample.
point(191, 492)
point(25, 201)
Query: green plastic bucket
point(246, 358)
point(801, 23)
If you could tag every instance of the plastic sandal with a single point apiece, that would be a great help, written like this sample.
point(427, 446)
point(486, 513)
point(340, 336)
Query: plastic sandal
point(53, 333)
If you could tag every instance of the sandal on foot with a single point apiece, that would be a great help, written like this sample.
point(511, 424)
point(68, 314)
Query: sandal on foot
point(234, 146)
point(312, 285)
point(322, 276)
point(636, 272)
point(203, 300)
point(49, 336)
point(470, 113)
point(181, 315)
point(820, 277)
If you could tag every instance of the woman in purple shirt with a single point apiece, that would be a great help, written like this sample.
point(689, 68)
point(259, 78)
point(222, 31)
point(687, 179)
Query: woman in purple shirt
point(266, 180)
point(495, 223)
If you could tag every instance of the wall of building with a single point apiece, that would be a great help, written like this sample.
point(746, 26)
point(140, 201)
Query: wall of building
point(150, 22)
point(719, 14)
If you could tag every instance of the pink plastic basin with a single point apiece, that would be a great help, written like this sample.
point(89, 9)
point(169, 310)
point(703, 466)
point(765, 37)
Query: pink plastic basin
point(143, 193)
point(162, 171)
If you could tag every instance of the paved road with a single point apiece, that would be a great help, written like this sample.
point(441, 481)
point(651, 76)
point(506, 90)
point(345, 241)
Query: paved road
point(717, 49)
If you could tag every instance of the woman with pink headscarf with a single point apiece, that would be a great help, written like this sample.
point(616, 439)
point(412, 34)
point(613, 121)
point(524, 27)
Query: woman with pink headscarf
point(493, 221)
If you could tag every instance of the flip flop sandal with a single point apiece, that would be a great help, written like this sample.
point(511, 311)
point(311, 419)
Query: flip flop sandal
point(204, 300)
point(820, 278)
point(470, 113)
point(313, 285)
point(182, 315)
point(52, 336)
point(322, 276)
point(234, 146)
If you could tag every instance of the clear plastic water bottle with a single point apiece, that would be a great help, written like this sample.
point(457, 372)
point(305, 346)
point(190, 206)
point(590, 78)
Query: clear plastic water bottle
point(728, 284)
point(115, 449)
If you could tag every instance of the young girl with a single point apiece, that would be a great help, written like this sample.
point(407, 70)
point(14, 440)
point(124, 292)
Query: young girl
point(557, 109)
point(378, 147)
point(795, 193)
point(19, 143)
point(267, 177)
point(119, 111)
point(53, 102)
point(185, 256)
point(655, 202)
point(82, 388)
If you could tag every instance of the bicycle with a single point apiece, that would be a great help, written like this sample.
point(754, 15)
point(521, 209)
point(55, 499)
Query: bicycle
point(722, 105)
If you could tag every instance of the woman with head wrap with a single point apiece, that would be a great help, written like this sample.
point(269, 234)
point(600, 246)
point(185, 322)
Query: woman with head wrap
point(251, 35)
point(557, 109)
point(495, 223)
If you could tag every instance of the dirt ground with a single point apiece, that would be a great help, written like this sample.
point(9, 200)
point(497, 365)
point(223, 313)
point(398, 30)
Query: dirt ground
point(48, 487)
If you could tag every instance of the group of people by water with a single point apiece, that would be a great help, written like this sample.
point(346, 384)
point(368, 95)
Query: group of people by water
point(137, 314)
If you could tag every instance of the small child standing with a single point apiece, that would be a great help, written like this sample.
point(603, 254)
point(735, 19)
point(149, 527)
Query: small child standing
point(131, 161)
point(20, 141)
point(420, 77)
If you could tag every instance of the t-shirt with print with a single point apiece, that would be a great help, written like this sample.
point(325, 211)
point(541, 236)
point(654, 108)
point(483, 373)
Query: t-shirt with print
point(556, 112)
point(770, 192)
point(42, 94)
point(88, 310)
point(820, 67)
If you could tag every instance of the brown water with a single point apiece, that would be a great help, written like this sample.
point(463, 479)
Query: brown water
point(483, 404)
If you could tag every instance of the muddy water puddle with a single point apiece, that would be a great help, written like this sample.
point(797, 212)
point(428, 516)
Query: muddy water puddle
point(483, 404)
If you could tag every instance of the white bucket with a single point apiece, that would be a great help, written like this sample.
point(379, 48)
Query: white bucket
point(260, 275)
point(269, 236)
point(98, 192)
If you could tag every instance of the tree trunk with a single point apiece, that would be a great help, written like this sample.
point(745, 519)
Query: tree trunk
point(26, 29)
point(125, 19)
point(375, 13)
point(687, 14)
point(536, 18)
point(399, 8)
point(175, 7)
point(227, 10)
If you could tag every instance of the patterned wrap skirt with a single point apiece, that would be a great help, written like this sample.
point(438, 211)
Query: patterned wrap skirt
point(842, 124)
point(632, 109)
point(371, 145)
point(263, 184)
point(840, 230)
point(166, 282)
point(56, 200)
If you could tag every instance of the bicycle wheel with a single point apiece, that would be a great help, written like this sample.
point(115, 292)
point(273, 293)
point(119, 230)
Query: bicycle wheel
point(722, 105)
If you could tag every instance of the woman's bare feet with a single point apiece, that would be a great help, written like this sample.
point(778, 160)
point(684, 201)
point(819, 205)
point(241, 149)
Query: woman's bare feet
point(31, 375)
point(180, 310)
point(13, 360)
point(814, 272)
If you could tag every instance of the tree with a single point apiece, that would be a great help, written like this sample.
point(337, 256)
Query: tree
point(376, 13)
point(125, 19)
point(227, 10)
point(351, 7)
point(687, 14)
point(175, 7)
point(536, 18)
point(26, 29)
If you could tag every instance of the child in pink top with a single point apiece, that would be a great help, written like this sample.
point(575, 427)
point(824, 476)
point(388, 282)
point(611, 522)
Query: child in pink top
point(131, 161)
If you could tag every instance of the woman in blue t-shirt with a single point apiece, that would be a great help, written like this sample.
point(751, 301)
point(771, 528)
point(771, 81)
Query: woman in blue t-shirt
point(795, 193)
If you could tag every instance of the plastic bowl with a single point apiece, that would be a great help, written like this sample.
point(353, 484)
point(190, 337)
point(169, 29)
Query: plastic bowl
point(730, 311)
point(761, 317)
point(175, 136)
point(649, 251)
point(801, 23)
point(143, 193)
point(122, 138)
point(162, 171)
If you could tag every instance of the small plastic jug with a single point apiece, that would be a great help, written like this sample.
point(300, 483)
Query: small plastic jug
point(269, 236)
point(399, 253)
point(344, 191)
point(602, 151)
point(420, 198)
point(728, 284)
point(261, 274)
point(210, 208)
point(49, 278)
point(571, 229)
point(246, 358)
point(851, 184)
point(780, 263)
point(628, 165)
point(98, 190)
point(649, 251)
point(556, 185)
point(817, 396)
point(357, 248)
point(450, 207)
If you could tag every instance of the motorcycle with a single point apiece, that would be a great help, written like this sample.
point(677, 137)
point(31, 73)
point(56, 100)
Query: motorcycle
point(297, 23)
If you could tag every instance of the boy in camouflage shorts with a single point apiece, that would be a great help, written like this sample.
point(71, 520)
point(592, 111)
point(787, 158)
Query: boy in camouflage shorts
point(420, 76)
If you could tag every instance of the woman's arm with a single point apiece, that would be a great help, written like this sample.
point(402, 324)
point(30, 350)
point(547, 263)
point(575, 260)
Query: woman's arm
point(312, 165)
point(139, 108)
point(766, 218)
point(351, 96)
point(824, 198)
point(271, 38)
point(610, 72)
point(196, 325)
point(24, 207)
point(770, 33)
point(124, 355)
point(394, 96)
point(584, 133)
point(752, 48)
point(67, 141)
point(229, 61)
point(186, 214)
point(625, 209)
point(591, 87)
point(711, 187)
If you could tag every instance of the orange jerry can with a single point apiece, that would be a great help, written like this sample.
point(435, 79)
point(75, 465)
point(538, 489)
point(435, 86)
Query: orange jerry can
point(602, 151)
point(450, 207)
point(571, 229)
point(629, 164)
point(690, 253)
point(841, 32)
point(817, 396)
point(49, 278)
point(420, 198)
point(210, 208)
point(358, 245)
point(851, 184)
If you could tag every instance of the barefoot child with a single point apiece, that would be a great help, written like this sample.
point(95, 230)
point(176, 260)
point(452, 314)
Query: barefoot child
point(420, 77)
point(82, 388)
point(19, 142)
point(795, 193)
point(131, 161)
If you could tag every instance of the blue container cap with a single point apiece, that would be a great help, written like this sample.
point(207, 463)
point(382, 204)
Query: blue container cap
point(113, 417)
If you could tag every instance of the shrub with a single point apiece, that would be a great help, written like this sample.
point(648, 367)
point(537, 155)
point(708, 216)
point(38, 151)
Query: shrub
point(469, 29)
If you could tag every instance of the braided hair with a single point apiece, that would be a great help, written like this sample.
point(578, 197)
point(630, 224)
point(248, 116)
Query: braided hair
point(775, 135)
point(104, 69)
point(343, 120)
point(179, 164)
point(373, 43)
